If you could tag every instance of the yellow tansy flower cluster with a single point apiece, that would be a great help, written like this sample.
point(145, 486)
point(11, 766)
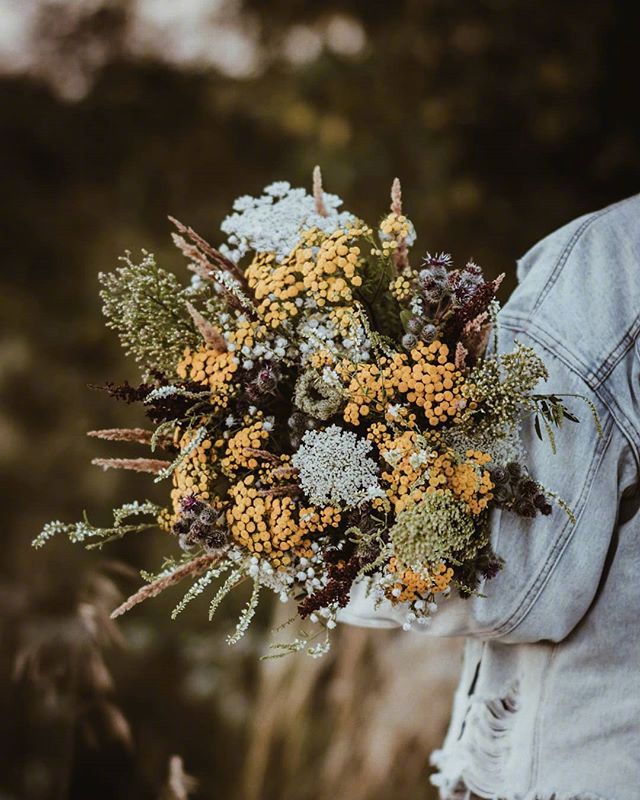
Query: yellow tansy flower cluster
point(322, 358)
point(313, 520)
point(370, 387)
point(246, 333)
point(470, 483)
point(165, 520)
point(266, 526)
point(394, 230)
point(401, 287)
point(322, 267)
point(396, 226)
point(251, 437)
point(331, 276)
point(412, 585)
point(345, 321)
point(194, 474)
point(405, 468)
point(412, 472)
point(211, 368)
point(467, 480)
point(276, 286)
point(432, 383)
point(426, 377)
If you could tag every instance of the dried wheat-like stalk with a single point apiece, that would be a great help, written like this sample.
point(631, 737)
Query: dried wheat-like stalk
point(475, 334)
point(199, 263)
point(205, 249)
point(318, 194)
point(285, 471)
point(209, 332)
point(461, 355)
point(289, 489)
point(152, 465)
point(401, 253)
point(191, 569)
point(396, 196)
point(265, 454)
point(138, 435)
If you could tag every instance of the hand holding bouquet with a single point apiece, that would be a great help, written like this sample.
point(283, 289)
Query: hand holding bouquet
point(325, 409)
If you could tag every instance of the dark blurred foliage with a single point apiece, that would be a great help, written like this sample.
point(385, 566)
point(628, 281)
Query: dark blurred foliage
point(503, 118)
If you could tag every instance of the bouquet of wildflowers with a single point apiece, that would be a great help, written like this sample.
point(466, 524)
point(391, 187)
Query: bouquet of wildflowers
point(324, 408)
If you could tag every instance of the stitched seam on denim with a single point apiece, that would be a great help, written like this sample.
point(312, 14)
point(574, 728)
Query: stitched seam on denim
point(564, 257)
point(618, 353)
point(537, 741)
point(625, 425)
point(547, 340)
point(553, 559)
point(592, 377)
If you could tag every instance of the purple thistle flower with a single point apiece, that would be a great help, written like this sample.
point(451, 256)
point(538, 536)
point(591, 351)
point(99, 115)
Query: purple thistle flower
point(189, 502)
point(438, 260)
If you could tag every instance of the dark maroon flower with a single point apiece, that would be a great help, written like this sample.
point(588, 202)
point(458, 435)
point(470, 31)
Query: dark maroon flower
point(189, 502)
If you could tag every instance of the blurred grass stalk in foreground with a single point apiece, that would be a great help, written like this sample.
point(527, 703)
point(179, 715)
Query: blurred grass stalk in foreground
point(358, 723)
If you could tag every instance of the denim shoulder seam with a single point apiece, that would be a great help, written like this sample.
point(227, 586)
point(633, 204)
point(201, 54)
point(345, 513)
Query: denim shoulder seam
point(564, 256)
point(522, 324)
point(619, 351)
point(568, 249)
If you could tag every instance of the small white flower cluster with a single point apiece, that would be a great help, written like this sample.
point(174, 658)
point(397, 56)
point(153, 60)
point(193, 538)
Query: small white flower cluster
point(317, 332)
point(273, 222)
point(418, 459)
point(226, 282)
point(261, 570)
point(311, 574)
point(134, 509)
point(392, 456)
point(416, 306)
point(335, 469)
point(276, 348)
point(417, 611)
point(320, 649)
point(160, 393)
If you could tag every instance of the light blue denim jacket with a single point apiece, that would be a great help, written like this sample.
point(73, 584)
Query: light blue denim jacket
point(548, 706)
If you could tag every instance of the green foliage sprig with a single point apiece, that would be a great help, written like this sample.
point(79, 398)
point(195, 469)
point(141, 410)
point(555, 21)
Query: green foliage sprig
point(552, 411)
point(502, 386)
point(147, 307)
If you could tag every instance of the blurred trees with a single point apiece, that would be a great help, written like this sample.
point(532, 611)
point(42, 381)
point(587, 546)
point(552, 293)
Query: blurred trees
point(504, 118)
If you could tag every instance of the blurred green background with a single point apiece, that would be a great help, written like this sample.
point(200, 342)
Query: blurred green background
point(503, 118)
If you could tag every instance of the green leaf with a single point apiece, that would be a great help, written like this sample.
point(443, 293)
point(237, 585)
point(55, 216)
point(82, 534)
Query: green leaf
point(536, 425)
point(405, 316)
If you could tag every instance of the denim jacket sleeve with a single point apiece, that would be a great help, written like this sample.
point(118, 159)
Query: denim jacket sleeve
point(578, 305)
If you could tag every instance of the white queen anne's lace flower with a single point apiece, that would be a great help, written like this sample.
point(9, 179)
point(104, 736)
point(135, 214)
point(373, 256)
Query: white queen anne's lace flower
point(335, 468)
point(273, 222)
